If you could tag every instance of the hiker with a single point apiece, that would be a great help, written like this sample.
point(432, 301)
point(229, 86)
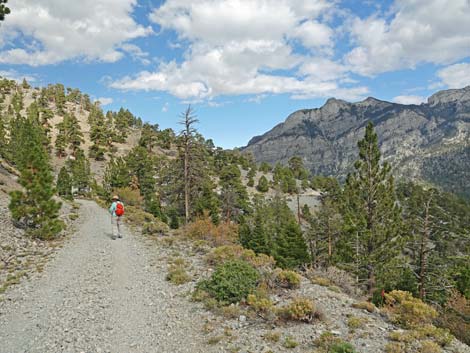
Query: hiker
point(117, 211)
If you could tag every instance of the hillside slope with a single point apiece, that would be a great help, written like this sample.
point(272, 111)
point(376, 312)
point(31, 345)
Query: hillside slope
point(428, 141)
point(114, 297)
point(74, 103)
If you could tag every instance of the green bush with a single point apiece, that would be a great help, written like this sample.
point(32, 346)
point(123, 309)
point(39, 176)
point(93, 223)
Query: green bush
point(263, 185)
point(407, 311)
point(329, 343)
point(231, 282)
point(177, 275)
point(226, 253)
point(342, 347)
point(299, 309)
point(290, 343)
point(288, 279)
point(155, 227)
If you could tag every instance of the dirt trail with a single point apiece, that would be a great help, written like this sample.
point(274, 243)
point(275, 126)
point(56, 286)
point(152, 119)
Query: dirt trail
point(99, 295)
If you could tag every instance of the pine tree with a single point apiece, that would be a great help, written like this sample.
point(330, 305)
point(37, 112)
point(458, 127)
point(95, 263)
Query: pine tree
point(111, 135)
point(166, 138)
point(188, 120)
point(296, 165)
point(98, 134)
point(149, 136)
point(64, 184)
point(117, 174)
point(205, 199)
point(372, 214)
point(325, 229)
point(79, 167)
point(33, 114)
point(25, 84)
point(233, 192)
point(122, 121)
point(263, 185)
point(3, 137)
point(74, 134)
point(290, 250)
point(45, 116)
point(258, 240)
point(61, 140)
point(437, 243)
point(141, 164)
point(265, 168)
point(58, 95)
point(34, 207)
point(4, 10)
point(17, 102)
point(251, 175)
point(284, 178)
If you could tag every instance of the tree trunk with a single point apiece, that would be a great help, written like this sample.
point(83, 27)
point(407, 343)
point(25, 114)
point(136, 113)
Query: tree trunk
point(186, 186)
point(298, 207)
point(371, 284)
point(423, 253)
point(330, 245)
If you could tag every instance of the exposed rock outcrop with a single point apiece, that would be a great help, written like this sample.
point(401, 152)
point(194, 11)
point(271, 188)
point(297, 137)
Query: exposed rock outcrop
point(428, 141)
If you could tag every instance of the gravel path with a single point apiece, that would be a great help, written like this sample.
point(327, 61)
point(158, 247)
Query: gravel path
point(100, 295)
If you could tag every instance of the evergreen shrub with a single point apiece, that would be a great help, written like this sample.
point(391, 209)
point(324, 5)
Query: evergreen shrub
point(299, 309)
point(155, 227)
point(231, 282)
point(408, 311)
point(226, 253)
point(288, 279)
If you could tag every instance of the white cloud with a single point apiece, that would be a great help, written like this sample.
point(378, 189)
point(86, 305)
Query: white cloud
point(410, 100)
point(455, 76)
point(323, 69)
point(314, 35)
point(105, 101)
point(165, 107)
point(136, 53)
point(257, 99)
point(236, 47)
point(420, 31)
point(55, 31)
point(16, 76)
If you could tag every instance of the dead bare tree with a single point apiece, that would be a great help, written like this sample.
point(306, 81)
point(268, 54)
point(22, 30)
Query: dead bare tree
point(187, 120)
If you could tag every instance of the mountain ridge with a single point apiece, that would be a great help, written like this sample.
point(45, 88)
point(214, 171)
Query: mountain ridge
point(411, 137)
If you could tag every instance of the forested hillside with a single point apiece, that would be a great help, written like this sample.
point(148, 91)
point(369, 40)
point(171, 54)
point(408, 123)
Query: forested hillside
point(401, 244)
point(426, 142)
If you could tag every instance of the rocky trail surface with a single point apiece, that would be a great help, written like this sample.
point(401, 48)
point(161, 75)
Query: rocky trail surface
point(99, 295)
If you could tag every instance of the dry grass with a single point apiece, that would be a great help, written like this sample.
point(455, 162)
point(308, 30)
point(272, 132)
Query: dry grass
point(204, 229)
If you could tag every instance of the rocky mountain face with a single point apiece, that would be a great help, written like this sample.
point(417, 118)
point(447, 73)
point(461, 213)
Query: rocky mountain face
point(429, 142)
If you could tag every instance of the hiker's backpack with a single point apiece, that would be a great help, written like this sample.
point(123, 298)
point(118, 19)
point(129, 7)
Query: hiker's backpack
point(119, 209)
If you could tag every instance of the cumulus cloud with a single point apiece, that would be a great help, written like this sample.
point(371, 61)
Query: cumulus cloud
point(314, 35)
point(419, 31)
point(410, 100)
point(237, 47)
point(136, 53)
point(16, 76)
point(105, 101)
point(55, 31)
point(455, 76)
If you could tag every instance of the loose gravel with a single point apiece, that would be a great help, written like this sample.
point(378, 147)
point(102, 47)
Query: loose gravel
point(100, 295)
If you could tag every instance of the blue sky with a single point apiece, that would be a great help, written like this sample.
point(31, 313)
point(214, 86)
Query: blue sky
point(244, 65)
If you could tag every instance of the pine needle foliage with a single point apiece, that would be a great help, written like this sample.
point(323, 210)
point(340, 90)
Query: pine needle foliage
point(34, 208)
